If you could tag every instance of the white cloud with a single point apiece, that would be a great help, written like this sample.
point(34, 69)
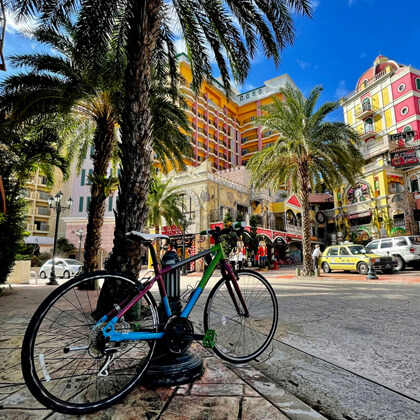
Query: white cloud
point(363, 55)
point(341, 90)
point(303, 64)
point(315, 4)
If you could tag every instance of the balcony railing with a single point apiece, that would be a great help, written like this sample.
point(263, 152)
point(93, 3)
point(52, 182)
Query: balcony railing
point(42, 211)
point(367, 83)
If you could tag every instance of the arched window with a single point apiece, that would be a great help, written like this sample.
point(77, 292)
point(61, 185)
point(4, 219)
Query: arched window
point(407, 128)
point(366, 104)
point(414, 184)
point(369, 125)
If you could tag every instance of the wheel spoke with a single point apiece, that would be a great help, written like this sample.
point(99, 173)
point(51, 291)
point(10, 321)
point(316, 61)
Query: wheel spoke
point(242, 338)
point(70, 381)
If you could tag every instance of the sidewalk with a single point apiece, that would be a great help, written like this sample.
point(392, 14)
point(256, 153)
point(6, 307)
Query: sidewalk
point(225, 391)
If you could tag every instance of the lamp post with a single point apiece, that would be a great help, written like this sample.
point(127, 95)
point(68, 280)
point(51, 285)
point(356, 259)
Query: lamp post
point(79, 234)
point(55, 204)
point(185, 224)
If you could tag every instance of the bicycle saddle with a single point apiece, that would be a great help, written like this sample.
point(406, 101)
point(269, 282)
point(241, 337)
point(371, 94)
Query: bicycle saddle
point(144, 237)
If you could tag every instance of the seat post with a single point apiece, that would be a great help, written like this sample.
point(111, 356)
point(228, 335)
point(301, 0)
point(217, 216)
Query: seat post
point(154, 257)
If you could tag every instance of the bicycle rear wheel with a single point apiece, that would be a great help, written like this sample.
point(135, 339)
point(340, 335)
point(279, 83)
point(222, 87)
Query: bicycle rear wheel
point(241, 338)
point(67, 364)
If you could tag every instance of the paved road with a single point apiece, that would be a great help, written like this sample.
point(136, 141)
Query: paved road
point(348, 347)
point(351, 347)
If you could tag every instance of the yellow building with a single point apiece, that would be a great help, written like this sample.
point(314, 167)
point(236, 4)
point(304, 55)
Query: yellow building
point(384, 110)
point(222, 130)
point(40, 219)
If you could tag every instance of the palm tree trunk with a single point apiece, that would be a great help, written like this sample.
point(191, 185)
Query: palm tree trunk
point(308, 269)
point(103, 144)
point(136, 146)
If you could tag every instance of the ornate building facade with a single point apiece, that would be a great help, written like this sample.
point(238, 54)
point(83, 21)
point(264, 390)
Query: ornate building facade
point(385, 111)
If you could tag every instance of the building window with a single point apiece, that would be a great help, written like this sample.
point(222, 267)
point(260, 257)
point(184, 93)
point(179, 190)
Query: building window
point(80, 204)
point(414, 184)
point(110, 204)
point(407, 128)
point(253, 93)
point(242, 97)
point(259, 90)
point(404, 111)
point(247, 95)
point(92, 150)
point(88, 203)
point(90, 174)
point(366, 104)
point(418, 84)
point(82, 177)
point(368, 125)
point(401, 87)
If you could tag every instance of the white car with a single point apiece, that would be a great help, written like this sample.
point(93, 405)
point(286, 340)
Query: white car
point(64, 267)
point(406, 249)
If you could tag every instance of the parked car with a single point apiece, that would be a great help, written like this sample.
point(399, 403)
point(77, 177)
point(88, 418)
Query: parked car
point(64, 267)
point(406, 249)
point(354, 257)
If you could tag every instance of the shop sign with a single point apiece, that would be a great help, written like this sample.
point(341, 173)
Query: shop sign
point(358, 215)
point(402, 136)
point(361, 235)
point(405, 157)
point(395, 179)
point(171, 230)
point(398, 231)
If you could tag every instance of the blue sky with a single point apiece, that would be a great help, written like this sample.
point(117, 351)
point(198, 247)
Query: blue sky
point(333, 49)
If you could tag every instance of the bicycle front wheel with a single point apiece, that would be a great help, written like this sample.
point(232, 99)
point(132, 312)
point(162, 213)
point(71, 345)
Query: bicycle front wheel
point(241, 338)
point(66, 362)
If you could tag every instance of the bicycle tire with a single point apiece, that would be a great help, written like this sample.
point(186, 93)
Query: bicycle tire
point(252, 334)
point(63, 352)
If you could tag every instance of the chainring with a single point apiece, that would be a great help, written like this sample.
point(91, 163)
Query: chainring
point(178, 334)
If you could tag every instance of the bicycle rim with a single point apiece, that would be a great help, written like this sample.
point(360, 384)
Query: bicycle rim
point(67, 364)
point(240, 338)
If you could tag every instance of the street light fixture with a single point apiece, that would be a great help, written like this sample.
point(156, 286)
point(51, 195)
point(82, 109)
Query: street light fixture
point(55, 204)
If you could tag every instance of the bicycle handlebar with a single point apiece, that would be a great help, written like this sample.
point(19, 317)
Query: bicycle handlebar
point(216, 232)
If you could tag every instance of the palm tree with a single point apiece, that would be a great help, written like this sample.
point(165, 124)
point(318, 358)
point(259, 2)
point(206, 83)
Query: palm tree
point(163, 202)
point(23, 149)
point(309, 152)
point(64, 84)
point(233, 31)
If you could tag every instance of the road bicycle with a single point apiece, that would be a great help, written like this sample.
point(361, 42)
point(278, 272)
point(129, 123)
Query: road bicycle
point(92, 339)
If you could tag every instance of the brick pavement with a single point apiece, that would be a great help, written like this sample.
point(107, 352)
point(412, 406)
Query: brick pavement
point(225, 391)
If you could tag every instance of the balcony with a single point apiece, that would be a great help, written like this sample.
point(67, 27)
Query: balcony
point(294, 230)
point(42, 228)
point(43, 196)
point(365, 110)
point(368, 132)
point(43, 211)
point(369, 152)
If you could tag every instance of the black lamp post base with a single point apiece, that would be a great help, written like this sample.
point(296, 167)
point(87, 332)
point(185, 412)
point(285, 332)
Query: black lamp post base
point(52, 282)
point(171, 370)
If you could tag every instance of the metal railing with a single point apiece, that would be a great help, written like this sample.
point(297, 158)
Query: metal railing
point(367, 83)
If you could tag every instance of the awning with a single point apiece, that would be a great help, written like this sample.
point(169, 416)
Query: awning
point(39, 240)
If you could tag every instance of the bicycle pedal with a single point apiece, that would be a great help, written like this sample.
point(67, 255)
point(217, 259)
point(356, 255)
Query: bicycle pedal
point(209, 340)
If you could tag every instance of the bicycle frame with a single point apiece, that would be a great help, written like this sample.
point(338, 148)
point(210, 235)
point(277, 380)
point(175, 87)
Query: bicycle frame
point(227, 273)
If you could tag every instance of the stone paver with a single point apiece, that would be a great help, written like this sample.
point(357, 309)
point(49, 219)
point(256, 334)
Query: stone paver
point(220, 394)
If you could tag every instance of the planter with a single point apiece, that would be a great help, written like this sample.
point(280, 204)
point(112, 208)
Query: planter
point(21, 273)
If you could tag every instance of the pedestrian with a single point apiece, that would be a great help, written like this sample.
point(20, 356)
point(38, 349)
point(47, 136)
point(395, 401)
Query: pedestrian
point(315, 256)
